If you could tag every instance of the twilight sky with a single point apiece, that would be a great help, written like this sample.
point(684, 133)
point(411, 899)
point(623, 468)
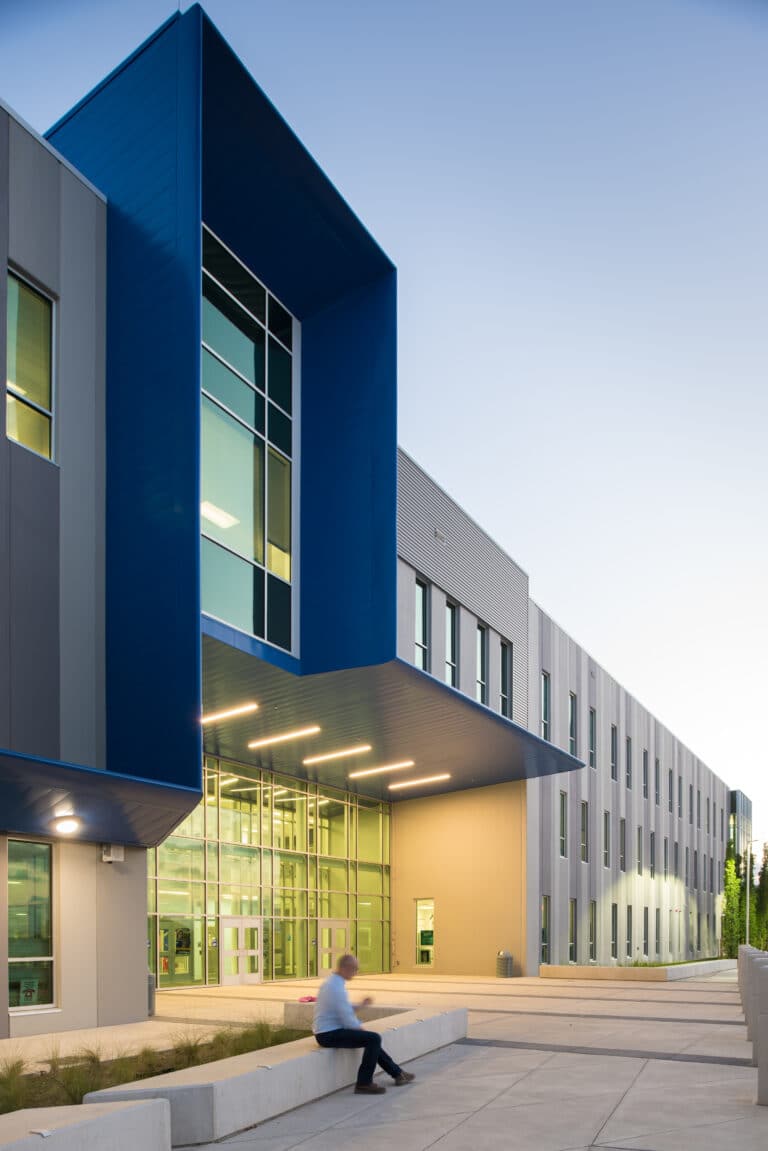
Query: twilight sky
point(576, 197)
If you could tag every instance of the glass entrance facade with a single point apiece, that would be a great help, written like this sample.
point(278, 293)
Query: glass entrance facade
point(271, 848)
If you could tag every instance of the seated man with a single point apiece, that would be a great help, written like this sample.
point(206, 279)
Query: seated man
point(336, 1025)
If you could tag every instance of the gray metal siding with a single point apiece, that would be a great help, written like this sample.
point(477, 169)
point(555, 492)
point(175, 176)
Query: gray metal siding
point(440, 542)
point(81, 423)
point(53, 231)
point(573, 670)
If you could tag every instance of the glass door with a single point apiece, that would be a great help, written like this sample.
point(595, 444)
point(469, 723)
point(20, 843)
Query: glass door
point(240, 950)
point(332, 943)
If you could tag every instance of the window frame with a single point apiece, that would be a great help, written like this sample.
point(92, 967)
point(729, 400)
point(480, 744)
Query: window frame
point(13, 271)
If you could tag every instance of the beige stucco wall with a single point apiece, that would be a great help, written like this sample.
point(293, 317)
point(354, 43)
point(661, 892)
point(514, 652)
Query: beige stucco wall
point(465, 850)
point(100, 927)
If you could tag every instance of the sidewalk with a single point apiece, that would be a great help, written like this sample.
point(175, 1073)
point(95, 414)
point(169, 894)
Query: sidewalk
point(560, 1065)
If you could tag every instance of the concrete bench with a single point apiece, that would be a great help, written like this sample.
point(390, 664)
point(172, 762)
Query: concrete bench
point(117, 1126)
point(218, 1099)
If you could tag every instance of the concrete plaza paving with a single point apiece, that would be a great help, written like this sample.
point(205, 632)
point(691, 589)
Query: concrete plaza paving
point(551, 1065)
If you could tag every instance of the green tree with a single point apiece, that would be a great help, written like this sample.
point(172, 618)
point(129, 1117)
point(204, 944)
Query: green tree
point(731, 908)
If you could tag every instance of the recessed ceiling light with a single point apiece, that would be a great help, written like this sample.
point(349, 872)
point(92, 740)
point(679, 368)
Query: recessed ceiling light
point(288, 735)
point(416, 782)
point(66, 825)
point(380, 770)
point(337, 754)
point(217, 516)
point(241, 709)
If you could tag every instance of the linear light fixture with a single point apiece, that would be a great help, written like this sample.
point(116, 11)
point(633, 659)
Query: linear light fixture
point(337, 754)
point(416, 782)
point(217, 515)
point(241, 709)
point(380, 770)
point(288, 735)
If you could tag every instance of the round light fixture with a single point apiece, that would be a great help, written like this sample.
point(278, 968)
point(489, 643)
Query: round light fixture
point(66, 825)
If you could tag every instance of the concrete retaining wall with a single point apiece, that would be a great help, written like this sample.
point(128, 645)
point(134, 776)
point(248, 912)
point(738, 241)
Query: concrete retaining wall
point(113, 1126)
point(218, 1099)
point(641, 974)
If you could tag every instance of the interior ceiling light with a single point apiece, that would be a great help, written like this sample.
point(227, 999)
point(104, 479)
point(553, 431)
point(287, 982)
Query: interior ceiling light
point(379, 770)
point(416, 782)
point(241, 709)
point(298, 734)
point(337, 754)
point(66, 824)
point(217, 516)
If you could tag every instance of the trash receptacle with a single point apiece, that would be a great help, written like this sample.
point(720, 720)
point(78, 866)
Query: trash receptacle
point(504, 965)
point(151, 986)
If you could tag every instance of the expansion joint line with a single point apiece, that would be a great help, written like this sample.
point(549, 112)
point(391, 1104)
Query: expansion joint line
point(618, 1104)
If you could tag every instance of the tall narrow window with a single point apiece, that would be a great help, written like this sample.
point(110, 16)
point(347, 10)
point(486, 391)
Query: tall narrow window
point(592, 737)
point(563, 823)
point(687, 865)
point(658, 932)
point(545, 703)
point(695, 870)
point(29, 374)
point(593, 929)
point(690, 804)
point(585, 832)
point(545, 929)
point(652, 853)
point(451, 644)
point(712, 874)
point(505, 692)
point(421, 637)
point(622, 845)
point(698, 807)
point(639, 851)
point(30, 932)
point(679, 797)
point(482, 664)
point(645, 931)
point(657, 782)
point(707, 815)
point(572, 722)
point(246, 508)
point(676, 860)
point(629, 932)
point(573, 927)
point(666, 857)
point(704, 872)
point(614, 931)
point(614, 752)
point(606, 839)
point(645, 773)
point(629, 761)
point(670, 792)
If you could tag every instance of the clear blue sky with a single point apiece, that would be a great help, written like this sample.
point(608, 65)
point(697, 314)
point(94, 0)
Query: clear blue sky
point(576, 197)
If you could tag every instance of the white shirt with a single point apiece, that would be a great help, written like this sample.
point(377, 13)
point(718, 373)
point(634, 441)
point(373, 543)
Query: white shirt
point(333, 1009)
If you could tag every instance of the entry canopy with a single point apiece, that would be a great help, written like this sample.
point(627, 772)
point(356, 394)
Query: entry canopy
point(398, 714)
point(36, 795)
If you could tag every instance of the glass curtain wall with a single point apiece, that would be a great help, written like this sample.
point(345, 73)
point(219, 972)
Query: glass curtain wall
point(274, 848)
point(247, 449)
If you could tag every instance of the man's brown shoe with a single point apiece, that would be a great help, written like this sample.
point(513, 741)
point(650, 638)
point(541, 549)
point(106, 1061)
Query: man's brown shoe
point(403, 1078)
point(369, 1089)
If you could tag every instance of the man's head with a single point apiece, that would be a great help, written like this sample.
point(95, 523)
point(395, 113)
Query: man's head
point(347, 966)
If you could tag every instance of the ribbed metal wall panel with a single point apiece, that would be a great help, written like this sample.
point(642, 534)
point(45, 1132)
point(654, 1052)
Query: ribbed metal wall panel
point(437, 538)
point(571, 669)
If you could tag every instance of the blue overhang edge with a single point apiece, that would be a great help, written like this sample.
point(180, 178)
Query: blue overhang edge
point(402, 712)
point(110, 808)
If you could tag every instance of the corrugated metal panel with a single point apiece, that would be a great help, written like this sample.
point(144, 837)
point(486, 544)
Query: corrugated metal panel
point(442, 542)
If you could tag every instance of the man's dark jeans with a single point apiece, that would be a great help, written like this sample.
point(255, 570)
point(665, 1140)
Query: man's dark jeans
point(373, 1054)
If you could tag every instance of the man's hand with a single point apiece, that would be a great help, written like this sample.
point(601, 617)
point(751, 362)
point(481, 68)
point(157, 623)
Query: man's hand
point(365, 1002)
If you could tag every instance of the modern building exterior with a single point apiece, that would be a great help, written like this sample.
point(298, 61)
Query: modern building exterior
point(263, 685)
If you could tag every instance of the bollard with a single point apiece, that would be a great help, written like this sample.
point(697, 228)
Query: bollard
point(759, 1004)
point(762, 1065)
point(752, 1004)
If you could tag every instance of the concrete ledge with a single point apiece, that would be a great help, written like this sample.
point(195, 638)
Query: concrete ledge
point(116, 1126)
point(218, 1099)
point(299, 1016)
point(641, 974)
